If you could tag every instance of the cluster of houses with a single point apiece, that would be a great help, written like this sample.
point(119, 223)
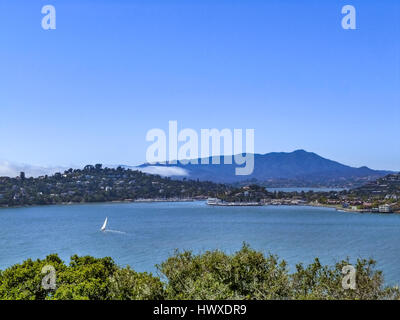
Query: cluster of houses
point(340, 202)
point(361, 207)
point(383, 208)
point(289, 202)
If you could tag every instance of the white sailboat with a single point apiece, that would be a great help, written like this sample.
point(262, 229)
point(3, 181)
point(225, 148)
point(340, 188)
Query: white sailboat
point(103, 228)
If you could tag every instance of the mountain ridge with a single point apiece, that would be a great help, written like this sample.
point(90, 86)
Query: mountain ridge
point(297, 168)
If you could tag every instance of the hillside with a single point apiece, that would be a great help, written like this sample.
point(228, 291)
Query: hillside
point(388, 186)
point(95, 184)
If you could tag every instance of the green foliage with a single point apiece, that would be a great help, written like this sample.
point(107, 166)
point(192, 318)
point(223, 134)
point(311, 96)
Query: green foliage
point(24, 281)
point(322, 282)
point(197, 277)
point(86, 278)
point(214, 275)
point(126, 284)
point(247, 274)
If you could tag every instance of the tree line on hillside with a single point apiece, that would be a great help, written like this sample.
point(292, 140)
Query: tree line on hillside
point(98, 184)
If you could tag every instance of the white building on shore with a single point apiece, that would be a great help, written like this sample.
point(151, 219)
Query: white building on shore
point(385, 208)
point(213, 201)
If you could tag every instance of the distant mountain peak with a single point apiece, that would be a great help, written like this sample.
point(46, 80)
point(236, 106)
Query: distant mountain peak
point(301, 151)
point(288, 168)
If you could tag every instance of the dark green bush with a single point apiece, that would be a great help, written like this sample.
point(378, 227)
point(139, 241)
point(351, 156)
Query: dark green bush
point(247, 274)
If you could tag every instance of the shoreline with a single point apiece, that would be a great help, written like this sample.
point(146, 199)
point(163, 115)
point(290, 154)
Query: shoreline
point(230, 204)
point(101, 202)
point(337, 208)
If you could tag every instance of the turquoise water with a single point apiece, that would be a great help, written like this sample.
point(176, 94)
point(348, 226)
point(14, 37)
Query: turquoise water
point(143, 234)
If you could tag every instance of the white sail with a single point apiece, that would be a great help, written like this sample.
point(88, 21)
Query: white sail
point(104, 225)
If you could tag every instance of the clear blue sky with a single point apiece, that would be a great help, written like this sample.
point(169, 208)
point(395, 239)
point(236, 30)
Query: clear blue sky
point(90, 90)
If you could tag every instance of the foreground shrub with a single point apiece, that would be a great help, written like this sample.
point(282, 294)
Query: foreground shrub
point(322, 282)
point(85, 278)
point(24, 281)
point(216, 275)
point(126, 284)
point(247, 274)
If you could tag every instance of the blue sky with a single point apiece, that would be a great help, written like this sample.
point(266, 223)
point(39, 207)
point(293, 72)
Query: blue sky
point(90, 90)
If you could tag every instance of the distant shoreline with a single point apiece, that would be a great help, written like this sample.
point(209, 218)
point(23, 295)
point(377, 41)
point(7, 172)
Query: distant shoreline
point(337, 208)
point(100, 202)
point(239, 204)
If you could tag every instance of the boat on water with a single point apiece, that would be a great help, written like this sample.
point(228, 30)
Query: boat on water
point(103, 228)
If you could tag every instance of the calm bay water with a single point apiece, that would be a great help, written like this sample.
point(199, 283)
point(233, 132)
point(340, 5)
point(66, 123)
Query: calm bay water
point(144, 234)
